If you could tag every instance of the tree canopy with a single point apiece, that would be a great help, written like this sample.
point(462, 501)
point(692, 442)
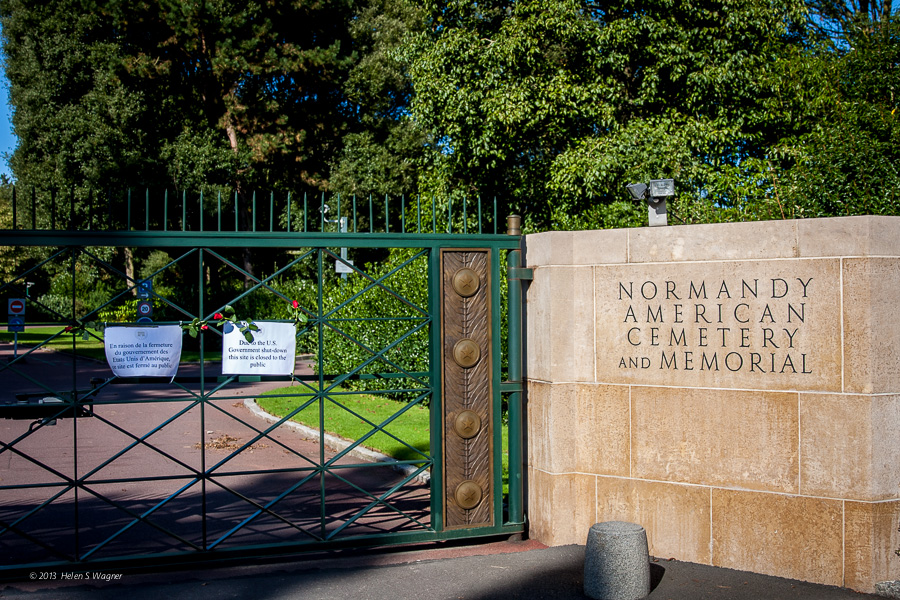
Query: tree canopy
point(571, 100)
point(189, 93)
point(757, 108)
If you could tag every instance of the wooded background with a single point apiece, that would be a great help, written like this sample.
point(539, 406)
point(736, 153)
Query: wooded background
point(759, 109)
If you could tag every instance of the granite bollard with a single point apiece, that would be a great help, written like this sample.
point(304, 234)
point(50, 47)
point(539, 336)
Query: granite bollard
point(616, 562)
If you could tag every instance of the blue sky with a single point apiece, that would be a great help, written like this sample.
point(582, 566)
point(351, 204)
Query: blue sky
point(7, 139)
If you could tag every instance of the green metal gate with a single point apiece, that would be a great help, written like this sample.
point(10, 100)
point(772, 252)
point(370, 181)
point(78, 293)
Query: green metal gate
point(98, 471)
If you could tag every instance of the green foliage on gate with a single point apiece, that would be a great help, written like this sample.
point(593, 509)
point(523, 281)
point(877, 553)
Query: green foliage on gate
point(385, 310)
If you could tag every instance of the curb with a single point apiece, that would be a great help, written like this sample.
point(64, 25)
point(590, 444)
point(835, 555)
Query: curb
point(338, 443)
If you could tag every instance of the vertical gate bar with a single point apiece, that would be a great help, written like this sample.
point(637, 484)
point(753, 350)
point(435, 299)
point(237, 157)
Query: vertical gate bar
point(338, 216)
point(514, 352)
point(479, 214)
point(201, 211)
point(321, 383)
point(495, 215)
point(219, 210)
point(418, 213)
point(371, 215)
point(355, 228)
point(14, 207)
point(402, 213)
point(77, 524)
point(271, 211)
point(465, 215)
point(203, 400)
point(387, 219)
point(34, 208)
point(236, 210)
point(305, 211)
point(288, 228)
point(433, 216)
point(184, 210)
point(253, 212)
point(449, 213)
point(166, 210)
point(322, 213)
point(436, 408)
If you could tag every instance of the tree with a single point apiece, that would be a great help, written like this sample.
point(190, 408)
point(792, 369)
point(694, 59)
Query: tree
point(199, 94)
point(75, 118)
point(240, 93)
point(844, 159)
point(384, 149)
point(834, 19)
point(559, 103)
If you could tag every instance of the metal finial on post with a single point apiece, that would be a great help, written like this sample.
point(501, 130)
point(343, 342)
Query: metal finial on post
point(514, 225)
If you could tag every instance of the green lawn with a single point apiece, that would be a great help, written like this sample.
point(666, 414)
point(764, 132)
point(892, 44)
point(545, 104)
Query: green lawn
point(412, 427)
point(93, 348)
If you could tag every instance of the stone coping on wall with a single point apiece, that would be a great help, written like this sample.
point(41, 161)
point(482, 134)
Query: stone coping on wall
point(800, 238)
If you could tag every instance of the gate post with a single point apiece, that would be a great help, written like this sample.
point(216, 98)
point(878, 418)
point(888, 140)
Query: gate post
point(515, 275)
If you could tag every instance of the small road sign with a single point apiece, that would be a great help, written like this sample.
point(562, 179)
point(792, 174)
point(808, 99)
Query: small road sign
point(16, 306)
point(340, 267)
point(144, 288)
point(15, 324)
point(144, 309)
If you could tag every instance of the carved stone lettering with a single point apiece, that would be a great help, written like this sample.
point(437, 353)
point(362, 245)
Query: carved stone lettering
point(769, 324)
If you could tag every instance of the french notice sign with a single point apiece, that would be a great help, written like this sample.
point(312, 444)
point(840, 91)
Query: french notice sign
point(143, 351)
point(272, 351)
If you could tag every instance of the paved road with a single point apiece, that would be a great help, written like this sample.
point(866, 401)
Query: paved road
point(523, 570)
point(141, 454)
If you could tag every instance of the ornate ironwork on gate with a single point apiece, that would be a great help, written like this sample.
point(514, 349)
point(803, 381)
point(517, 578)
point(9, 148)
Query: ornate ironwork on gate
point(408, 335)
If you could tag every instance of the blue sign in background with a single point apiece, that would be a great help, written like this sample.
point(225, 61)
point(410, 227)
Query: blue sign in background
point(16, 324)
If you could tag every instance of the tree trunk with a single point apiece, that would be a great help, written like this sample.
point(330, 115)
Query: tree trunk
point(129, 267)
point(245, 216)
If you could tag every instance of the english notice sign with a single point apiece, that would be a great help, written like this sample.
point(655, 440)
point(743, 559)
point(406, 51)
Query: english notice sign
point(272, 351)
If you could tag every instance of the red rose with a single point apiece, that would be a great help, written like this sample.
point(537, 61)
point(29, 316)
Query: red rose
point(204, 327)
point(295, 304)
point(218, 316)
point(68, 329)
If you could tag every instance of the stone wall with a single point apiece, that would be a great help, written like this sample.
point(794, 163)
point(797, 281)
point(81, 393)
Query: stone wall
point(733, 388)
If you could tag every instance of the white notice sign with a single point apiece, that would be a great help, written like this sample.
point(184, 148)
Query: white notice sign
point(143, 351)
point(272, 351)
